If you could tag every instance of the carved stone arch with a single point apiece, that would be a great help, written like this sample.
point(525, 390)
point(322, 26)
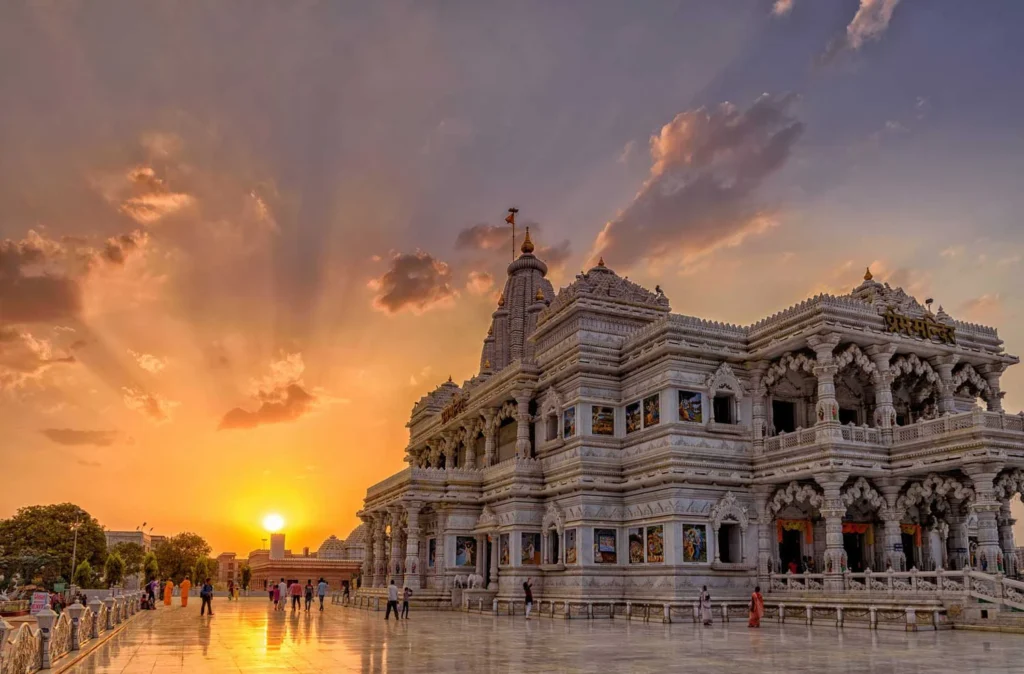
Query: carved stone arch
point(794, 492)
point(966, 377)
point(1010, 482)
point(852, 355)
point(724, 379)
point(487, 520)
point(551, 403)
point(934, 488)
point(862, 490)
point(788, 361)
point(911, 364)
point(727, 508)
point(553, 519)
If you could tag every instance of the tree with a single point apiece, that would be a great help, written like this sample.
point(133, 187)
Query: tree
point(150, 567)
point(83, 575)
point(177, 555)
point(132, 554)
point(246, 576)
point(113, 570)
point(44, 533)
point(201, 571)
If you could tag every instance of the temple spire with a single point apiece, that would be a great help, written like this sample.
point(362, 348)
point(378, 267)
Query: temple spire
point(527, 244)
point(867, 274)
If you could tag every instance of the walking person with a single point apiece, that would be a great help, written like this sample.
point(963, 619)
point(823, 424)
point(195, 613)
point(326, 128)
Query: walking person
point(756, 608)
point(168, 592)
point(151, 592)
point(406, 593)
point(345, 598)
point(206, 596)
point(309, 593)
point(281, 596)
point(321, 592)
point(392, 602)
point(528, 589)
point(705, 606)
point(186, 586)
point(296, 592)
point(231, 590)
point(270, 590)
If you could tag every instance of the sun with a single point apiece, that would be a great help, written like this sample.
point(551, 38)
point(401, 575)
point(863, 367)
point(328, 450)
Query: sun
point(273, 523)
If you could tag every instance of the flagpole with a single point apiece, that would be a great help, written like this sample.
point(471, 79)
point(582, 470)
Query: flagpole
point(511, 219)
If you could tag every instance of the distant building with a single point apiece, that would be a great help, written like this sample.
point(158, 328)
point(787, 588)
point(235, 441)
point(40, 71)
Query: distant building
point(336, 561)
point(147, 541)
point(227, 568)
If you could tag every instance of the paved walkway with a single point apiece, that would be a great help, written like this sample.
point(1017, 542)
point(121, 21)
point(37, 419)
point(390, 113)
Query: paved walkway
point(246, 637)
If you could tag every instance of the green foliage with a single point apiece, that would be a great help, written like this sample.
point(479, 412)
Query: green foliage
point(201, 571)
point(113, 570)
point(132, 554)
point(177, 555)
point(83, 575)
point(150, 567)
point(38, 541)
point(246, 576)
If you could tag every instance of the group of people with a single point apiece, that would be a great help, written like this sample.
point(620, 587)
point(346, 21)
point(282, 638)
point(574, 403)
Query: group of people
point(205, 594)
point(279, 594)
point(755, 609)
point(393, 602)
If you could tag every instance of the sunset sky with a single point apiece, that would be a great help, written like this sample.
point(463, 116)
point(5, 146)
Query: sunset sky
point(239, 240)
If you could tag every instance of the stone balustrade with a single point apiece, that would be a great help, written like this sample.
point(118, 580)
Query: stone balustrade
point(40, 646)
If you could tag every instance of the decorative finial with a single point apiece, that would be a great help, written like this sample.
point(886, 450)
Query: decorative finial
point(490, 330)
point(487, 364)
point(450, 379)
point(867, 274)
point(501, 300)
point(539, 296)
point(600, 261)
point(527, 247)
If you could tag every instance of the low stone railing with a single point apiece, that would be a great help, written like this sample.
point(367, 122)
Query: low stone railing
point(917, 584)
point(32, 647)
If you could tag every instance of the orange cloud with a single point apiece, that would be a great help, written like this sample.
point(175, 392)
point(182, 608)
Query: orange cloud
point(416, 281)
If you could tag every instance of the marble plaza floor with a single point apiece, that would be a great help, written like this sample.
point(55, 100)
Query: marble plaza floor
point(246, 637)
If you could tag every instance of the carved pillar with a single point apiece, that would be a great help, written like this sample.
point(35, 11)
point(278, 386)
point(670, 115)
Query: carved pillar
point(833, 510)
point(895, 556)
point(395, 559)
point(992, 372)
point(957, 543)
point(481, 555)
point(412, 544)
point(987, 506)
point(495, 553)
point(367, 568)
point(1006, 542)
point(944, 366)
point(762, 495)
point(885, 412)
point(469, 440)
point(826, 410)
point(439, 563)
point(489, 432)
point(759, 403)
point(379, 565)
point(523, 449)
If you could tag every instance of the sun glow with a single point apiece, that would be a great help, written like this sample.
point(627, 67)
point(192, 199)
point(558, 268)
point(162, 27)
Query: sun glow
point(273, 523)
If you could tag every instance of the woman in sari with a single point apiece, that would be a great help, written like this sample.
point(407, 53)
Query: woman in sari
point(705, 606)
point(756, 608)
point(168, 591)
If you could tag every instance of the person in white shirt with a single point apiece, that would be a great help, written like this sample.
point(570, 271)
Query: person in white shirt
point(392, 601)
point(321, 591)
point(283, 587)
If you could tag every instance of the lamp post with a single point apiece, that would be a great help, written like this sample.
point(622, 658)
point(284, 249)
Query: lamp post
point(75, 526)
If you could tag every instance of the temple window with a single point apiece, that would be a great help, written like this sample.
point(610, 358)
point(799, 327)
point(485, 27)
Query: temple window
point(724, 407)
point(729, 543)
point(784, 416)
point(553, 552)
point(847, 416)
point(551, 427)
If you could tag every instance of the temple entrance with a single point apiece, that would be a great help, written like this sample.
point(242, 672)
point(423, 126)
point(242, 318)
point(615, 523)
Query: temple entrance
point(909, 550)
point(553, 557)
point(488, 551)
point(783, 416)
point(847, 416)
point(790, 551)
point(854, 546)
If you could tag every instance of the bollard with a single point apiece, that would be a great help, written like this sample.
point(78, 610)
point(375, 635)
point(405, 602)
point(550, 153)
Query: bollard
point(45, 620)
point(75, 611)
point(94, 628)
point(109, 603)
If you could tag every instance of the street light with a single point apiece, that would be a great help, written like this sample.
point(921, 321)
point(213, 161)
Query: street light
point(75, 526)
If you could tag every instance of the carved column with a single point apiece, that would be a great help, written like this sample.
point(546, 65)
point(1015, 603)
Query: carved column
point(489, 432)
point(833, 510)
point(523, 448)
point(762, 496)
point(895, 556)
point(371, 533)
point(992, 372)
point(759, 400)
point(412, 544)
point(439, 563)
point(395, 560)
point(987, 506)
point(379, 564)
point(885, 412)
point(481, 555)
point(944, 366)
point(827, 408)
point(495, 553)
point(957, 542)
point(1006, 541)
point(470, 441)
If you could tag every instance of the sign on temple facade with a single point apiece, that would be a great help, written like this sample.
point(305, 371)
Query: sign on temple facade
point(610, 449)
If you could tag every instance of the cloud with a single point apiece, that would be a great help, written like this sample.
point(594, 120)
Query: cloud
point(416, 281)
point(951, 252)
point(149, 362)
point(74, 437)
point(281, 394)
point(151, 405)
point(118, 247)
point(782, 7)
point(25, 357)
point(555, 256)
point(868, 24)
point(479, 282)
point(484, 237)
point(985, 307)
point(1009, 260)
point(151, 200)
point(699, 196)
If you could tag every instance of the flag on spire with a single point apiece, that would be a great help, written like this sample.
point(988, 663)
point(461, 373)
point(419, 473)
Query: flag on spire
point(511, 218)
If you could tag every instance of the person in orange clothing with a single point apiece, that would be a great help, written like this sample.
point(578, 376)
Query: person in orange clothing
point(185, 586)
point(168, 591)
